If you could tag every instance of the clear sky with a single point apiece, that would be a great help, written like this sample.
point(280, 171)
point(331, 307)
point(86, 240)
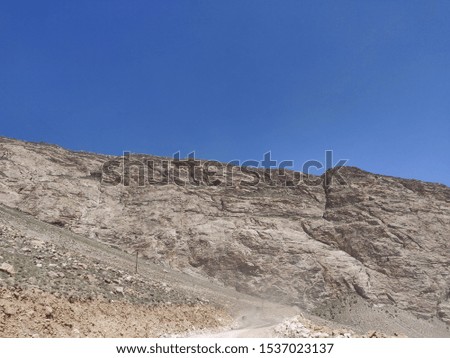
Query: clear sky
point(233, 79)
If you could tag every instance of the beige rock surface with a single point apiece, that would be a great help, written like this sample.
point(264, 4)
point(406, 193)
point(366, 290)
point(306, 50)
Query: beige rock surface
point(379, 240)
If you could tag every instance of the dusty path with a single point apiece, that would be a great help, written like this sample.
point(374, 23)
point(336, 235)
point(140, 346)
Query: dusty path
point(255, 322)
point(252, 331)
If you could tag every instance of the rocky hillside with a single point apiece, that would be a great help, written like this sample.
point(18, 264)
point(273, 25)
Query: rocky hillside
point(54, 285)
point(315, 242)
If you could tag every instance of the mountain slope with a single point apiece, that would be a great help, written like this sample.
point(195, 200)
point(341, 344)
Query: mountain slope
point(319, 244)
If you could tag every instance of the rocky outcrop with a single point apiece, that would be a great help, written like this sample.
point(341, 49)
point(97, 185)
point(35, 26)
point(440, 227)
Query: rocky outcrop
point(300, 327)
point(309, 242)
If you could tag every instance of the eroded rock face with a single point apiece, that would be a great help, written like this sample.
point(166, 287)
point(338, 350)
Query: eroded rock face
point(384, 239)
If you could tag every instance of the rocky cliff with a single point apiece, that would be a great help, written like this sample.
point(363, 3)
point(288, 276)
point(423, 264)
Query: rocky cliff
point(318, 242)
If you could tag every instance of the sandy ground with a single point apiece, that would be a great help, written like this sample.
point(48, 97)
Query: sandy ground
point(38, 314)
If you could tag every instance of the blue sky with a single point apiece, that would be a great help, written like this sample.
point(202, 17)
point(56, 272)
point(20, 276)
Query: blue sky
point(233, 79)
